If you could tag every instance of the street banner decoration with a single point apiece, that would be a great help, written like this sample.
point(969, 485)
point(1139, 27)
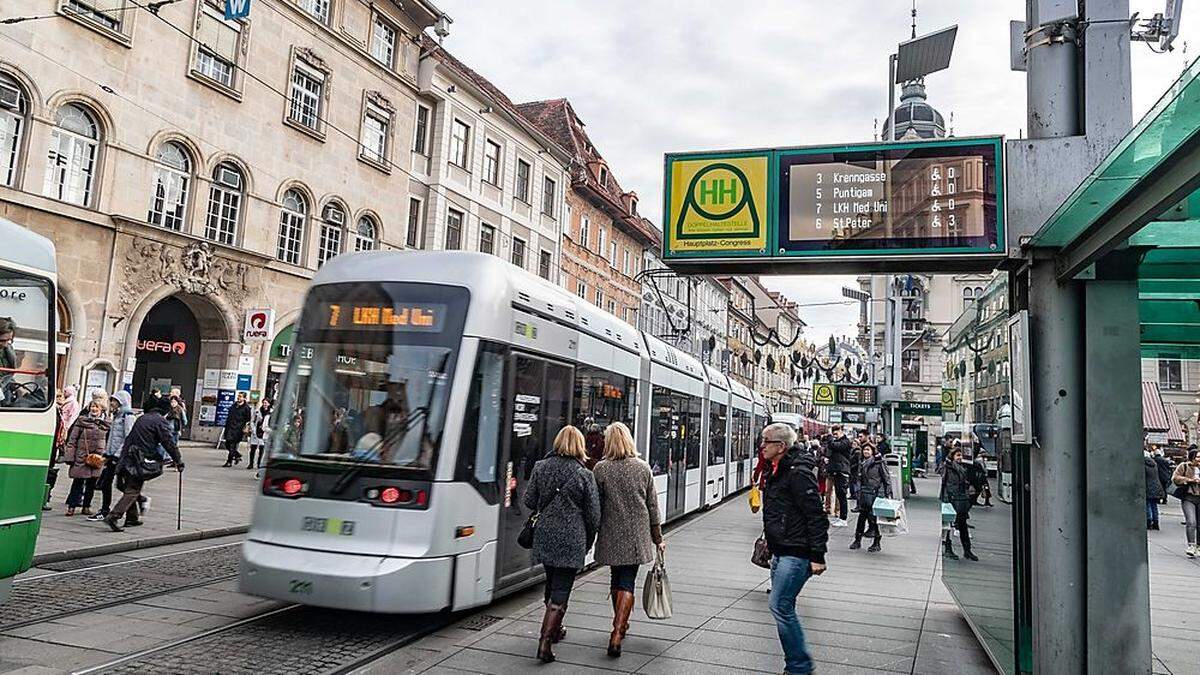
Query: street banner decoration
point(717, 203)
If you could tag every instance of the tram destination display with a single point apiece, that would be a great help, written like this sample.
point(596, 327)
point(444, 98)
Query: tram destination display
point(886, 204)
point(426, 317)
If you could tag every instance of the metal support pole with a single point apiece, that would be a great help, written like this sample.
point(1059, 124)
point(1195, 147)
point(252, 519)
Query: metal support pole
point(1058, 543)
point(1052, 80)
point(891, 135)
point(1117, 580)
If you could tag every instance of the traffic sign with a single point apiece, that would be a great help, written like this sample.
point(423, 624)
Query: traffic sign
point(717, 203)
point(879, 205)
point(824, 394)
point(857, 394)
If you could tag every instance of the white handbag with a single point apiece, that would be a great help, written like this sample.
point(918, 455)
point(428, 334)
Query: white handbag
point(656, 593)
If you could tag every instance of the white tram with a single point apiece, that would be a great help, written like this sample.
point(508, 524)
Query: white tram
point(422, 388)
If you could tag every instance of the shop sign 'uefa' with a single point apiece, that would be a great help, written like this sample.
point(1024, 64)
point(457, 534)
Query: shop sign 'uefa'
point(718, 204)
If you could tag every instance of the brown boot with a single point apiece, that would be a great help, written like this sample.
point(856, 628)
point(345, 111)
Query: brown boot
point(622, 606)
point(551, 624)
point(562, 632)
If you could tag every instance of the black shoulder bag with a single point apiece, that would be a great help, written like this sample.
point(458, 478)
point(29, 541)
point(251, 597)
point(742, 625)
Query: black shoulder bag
point(525, 538)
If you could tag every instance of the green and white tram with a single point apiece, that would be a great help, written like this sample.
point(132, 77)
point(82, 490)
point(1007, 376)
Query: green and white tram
point(27, 414)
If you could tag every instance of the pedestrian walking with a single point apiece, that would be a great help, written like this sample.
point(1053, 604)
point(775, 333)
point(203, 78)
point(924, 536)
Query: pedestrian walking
point(1165, 470)
point(148, 432)
point(236, 426)
point(874, 481)
point(797, 532)
point(630, 528)
point(956, 491)
point(83, 453)
point(1187, 488)
point(260, 431)
point(563, 493)
point(840, 461)
point(121, 418)
point(1154, 490)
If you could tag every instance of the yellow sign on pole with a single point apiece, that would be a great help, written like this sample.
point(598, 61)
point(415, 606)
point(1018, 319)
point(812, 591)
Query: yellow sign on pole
point(824, 394)
point(949, 399)
point(717, 203)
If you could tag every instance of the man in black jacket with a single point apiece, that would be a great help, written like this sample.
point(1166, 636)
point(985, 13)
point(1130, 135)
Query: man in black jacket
point(797, 532)
point(235, 428)
point(150, 431)
point(840, 453)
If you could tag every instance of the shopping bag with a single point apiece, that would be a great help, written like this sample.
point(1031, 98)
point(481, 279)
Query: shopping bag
point(887, 508)
point(896, 526)
point(755, 499)
point(656, 592)
point(948, 513)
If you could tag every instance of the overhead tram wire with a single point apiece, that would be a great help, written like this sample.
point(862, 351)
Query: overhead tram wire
point(152, 7)
point(287, 97)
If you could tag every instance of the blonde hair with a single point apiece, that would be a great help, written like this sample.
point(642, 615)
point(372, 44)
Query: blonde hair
point(569, 443)
point(618, 442)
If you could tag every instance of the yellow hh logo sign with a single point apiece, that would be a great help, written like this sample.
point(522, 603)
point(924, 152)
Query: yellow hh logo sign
point(718, 204)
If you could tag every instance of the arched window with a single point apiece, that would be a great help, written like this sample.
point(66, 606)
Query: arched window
point(366, 234)
point(291, 226)
point(968, 297)
point(74, 150)
point(14, 109)
point(172, 179)
point(224, 204)
point(333, 225)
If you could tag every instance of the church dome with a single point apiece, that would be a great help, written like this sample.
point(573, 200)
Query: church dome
point(915, 118)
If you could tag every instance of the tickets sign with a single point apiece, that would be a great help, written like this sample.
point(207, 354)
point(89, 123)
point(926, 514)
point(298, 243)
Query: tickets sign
point(717, 203)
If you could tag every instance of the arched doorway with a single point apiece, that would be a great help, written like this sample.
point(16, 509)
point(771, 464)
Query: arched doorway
point(168, 351)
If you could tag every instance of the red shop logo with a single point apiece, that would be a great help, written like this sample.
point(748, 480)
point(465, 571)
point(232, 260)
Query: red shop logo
point(161, 347)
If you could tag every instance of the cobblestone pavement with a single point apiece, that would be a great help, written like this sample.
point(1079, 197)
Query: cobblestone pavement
point(215, 499)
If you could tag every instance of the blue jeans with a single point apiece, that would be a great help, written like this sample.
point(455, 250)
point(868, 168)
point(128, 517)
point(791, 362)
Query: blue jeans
point(788, 574)
point(1151, 510)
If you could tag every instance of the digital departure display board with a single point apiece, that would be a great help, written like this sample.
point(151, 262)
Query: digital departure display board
point(889, 199)
point(933, 204)
point(855, 394)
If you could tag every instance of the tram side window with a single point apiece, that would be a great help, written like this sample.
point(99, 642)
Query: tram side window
point(693, 431)
point(664, 429)
point(716, 434)
point(25, 344)
point(742, 443)
point(480, 445)
point(601, 398)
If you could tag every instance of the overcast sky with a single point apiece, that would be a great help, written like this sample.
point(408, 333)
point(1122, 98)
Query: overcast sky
point(655, 76)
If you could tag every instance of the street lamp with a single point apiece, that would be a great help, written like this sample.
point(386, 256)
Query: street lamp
point(914, 59)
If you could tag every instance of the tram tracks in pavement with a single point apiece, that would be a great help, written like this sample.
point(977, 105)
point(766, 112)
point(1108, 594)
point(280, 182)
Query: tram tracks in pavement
point(293, 639)
point(82, 588)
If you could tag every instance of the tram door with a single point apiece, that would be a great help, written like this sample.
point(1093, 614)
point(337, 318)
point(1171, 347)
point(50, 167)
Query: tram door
point(538, 406)
point(677, 467)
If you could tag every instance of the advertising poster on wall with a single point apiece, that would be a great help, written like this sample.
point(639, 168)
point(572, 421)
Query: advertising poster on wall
point(224, 403)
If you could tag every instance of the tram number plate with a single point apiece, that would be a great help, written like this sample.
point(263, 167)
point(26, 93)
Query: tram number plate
point(301, 587)
point(335, 526)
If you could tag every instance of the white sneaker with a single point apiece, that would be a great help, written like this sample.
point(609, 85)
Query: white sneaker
point(838, 522)
point(1191, 550)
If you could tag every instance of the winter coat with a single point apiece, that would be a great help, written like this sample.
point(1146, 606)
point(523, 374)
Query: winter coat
point(875, 481)
point(150, 431)
point(1165, 470)
point(794, 519)
point(629, 515)
point(568, 521)
point(235, 424)
point(1184, 471)
point(120, 425)
point(956, 485)
point(260, 426)
point(1154, 486)
point(839, 453)
point(89, 435)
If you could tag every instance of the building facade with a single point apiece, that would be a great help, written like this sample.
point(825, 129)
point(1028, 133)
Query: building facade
point(195, 172)
point(666, 298)
point(976, 346)
point(605, 238)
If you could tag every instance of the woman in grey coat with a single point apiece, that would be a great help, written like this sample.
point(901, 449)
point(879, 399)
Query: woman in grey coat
point(563, 493)
point(629, 523)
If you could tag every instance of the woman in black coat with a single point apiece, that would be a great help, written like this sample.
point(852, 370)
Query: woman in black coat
point(956, 490)
point(1154, 491)
point(874, 481)
point(563, 493)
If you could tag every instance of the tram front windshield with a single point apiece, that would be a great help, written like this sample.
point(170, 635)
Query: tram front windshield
point(370, 373)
